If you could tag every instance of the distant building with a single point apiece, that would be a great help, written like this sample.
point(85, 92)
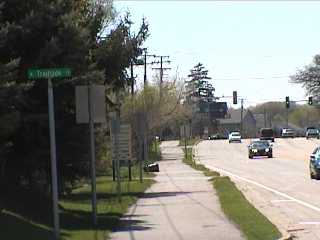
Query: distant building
point(233, 123)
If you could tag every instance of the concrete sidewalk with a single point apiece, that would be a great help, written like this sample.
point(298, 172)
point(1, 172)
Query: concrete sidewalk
point(182, 204)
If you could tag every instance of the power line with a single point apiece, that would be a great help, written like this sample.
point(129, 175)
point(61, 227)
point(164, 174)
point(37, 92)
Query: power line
point(253, 78)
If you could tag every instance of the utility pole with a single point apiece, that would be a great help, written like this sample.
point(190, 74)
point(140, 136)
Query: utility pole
point(161, 68)
point(145, 56)
point(132, 79)
point(161, 78)
point(145, 68)
point(241, 123)
point(265, 117)
point(287, 117)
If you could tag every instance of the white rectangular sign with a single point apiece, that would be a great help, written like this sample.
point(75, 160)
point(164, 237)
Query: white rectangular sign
point(123, 143)
point(98, 102)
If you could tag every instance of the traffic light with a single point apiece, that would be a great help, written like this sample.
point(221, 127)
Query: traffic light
point(235, 98)
point(310, 101)
point(287, 102)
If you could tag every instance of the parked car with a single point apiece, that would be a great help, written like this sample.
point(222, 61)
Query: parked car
point(267, 134)
point(234, 137)
point(314, 164)
point(260, 148)
point(312, 133)
point(287, 132)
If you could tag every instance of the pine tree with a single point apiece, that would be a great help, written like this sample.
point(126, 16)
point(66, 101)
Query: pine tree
point(198, 88)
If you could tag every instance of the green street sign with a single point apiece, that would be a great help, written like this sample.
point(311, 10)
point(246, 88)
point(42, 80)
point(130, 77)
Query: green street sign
point(40, 73)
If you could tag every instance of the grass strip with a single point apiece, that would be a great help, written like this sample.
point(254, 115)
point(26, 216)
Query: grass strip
point(75, 214)
point(190, 142)
point(237, 208)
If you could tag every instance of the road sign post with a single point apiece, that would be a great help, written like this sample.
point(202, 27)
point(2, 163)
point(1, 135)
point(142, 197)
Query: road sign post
point(54, 179)
point(91, 109)
point(49, 74)
point(93, 156)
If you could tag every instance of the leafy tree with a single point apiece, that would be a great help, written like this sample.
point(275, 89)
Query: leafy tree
point(304, 116)
point(118, 50)
point(309, 77)
point(167, 113)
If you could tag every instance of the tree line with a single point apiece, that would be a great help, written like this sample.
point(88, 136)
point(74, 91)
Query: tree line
point(89, 37)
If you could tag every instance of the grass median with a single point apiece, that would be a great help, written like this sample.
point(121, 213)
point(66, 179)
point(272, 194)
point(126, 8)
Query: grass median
point(189, 142)
point(237, 208)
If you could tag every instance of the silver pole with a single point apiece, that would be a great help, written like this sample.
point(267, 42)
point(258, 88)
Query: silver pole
point(93, 156)
point(54, 179)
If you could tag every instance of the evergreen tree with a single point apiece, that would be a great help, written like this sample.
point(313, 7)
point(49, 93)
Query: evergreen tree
point(55, 33)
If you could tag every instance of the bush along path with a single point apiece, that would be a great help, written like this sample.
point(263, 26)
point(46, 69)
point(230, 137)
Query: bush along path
point(236, 207)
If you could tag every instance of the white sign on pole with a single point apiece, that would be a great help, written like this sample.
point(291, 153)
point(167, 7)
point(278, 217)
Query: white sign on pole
point(98, 102)
point(123, 143)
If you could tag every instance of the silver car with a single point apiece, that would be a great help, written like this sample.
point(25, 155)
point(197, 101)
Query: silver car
point(234, 137)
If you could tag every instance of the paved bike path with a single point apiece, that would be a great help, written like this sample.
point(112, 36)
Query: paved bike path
point(181, 205)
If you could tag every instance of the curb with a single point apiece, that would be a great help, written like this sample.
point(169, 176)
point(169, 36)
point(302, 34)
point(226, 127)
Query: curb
point(287, 237)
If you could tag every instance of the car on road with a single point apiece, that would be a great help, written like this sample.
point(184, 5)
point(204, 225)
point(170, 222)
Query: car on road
point(260, 148)
point(287, 133)
point(314, 164)
point(216, 136)
point(234, 137)
point(267, 134)
point(312, 133)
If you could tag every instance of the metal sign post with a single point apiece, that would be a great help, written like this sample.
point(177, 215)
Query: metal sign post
point(115, 127)
point(93, 156)
point(185, 141)
point(90, 108)
point(54, 179)
point(49, 73)
point(141, 134)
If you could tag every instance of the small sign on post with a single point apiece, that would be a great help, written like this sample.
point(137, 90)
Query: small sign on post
point(46, 73)
point(49, 74)
point(91, 108)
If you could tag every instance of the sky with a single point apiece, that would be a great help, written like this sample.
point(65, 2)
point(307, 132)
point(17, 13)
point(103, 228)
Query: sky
point(248, 46)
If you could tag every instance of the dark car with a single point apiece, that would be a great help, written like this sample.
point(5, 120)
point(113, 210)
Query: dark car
point(267, 134)
point(260, 148)
point(216, 136)
point(315, 164)
point(312, 133)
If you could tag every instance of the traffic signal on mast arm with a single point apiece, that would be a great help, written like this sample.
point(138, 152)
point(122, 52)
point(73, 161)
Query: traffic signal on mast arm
point(310, 102)
point(235, 97)
point(287, 102)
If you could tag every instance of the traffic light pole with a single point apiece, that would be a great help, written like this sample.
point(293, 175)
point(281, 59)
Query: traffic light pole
point(241, 123)
point(287, 110)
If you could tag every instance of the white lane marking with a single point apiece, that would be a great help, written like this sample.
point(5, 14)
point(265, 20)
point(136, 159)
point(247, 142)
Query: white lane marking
point(309, 223)
point(308, 205)
point(282, 200)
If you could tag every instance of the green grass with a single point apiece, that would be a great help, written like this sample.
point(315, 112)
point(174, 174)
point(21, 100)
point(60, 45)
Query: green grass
point(189, 160)
point(234, 204)
point(190, 142)
point(237, 208)
point(18, 221)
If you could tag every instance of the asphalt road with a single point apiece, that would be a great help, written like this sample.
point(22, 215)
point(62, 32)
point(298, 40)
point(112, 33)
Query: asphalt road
point(279, 187)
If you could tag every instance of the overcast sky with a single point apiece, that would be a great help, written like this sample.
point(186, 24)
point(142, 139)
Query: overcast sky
point(251, 47)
